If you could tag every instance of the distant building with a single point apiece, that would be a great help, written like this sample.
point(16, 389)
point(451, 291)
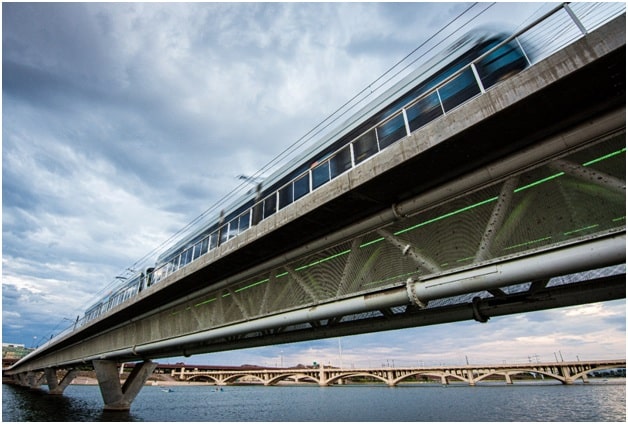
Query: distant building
point(13, 352)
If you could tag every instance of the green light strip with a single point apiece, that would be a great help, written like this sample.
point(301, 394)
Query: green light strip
point(266, 280)
point(608, 156)
point(447, 215)
point(322, 260)
point(580, 229)
point(621, 218)
point(205, 302)
point(527, 243)
point(465, 259)
point(368, 243)
point(541, 181)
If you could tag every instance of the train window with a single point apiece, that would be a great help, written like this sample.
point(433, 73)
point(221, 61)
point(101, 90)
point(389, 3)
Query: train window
point(196, 253)
point(205, 245)
point(213, 240)
point(500, 64)
point(365, 146)
point(186, 257)
point(301, 186)
point(460, 89)
point(245, 220)
point(320, 174)
point(258, 210)
point(340, 162)
point(286, 195)
point(391, 131)
point(270, 205)
point(234, 225)
point(223, 234)
point(424, 111)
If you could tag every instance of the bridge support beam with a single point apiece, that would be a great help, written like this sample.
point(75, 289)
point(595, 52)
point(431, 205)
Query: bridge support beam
point(56, 387)
point(119, 397)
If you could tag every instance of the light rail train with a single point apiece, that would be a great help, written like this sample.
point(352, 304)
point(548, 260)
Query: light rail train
point(436, 87)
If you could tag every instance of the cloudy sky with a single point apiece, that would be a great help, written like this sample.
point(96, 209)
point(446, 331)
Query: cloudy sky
point(123, 122)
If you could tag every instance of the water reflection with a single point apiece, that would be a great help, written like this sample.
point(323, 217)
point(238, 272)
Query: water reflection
point(597, 401)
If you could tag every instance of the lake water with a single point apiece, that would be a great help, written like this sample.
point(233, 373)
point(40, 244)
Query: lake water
point(597, 401)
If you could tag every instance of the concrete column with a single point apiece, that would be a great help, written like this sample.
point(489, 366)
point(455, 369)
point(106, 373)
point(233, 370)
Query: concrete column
point(470, 377)
point(54, 386)
point(322, 376)
point(119, 397)
point(32, 381)
point(508, 379)
point(566, 373)
point(21, 379)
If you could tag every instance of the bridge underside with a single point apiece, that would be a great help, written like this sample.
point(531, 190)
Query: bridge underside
point(573, 205)
point(513, 202)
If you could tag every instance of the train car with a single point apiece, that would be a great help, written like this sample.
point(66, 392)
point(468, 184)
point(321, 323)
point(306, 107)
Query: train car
point(129, 289)
point(328, 159)
point(371, 129)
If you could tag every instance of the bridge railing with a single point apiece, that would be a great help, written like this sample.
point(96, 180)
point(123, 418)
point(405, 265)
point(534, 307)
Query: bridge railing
point(559, 27)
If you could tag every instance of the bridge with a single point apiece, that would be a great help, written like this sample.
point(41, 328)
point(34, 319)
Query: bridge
point(513, 201)
point(565, 372)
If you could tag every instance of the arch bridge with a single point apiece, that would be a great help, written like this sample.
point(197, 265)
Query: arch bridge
point(564, 372)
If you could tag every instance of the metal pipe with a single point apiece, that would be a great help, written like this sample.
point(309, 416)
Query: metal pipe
point(577, 258)
point(595, 254)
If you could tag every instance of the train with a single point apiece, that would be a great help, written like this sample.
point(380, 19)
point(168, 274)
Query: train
point(434, 88)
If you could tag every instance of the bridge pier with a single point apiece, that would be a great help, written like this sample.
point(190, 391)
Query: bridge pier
point(56, 387)
point(119, 397)
point(32, 380)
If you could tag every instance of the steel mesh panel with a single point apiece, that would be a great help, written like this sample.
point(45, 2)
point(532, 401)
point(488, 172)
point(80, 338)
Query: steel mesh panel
point(542, 207)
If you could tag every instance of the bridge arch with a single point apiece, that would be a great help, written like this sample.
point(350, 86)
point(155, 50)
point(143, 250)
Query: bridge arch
point(583, 373)
point(335, 378)
point(297, 375)
point(234, 377)
point(516, 371)
point(205, 378)
point(434, 374)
